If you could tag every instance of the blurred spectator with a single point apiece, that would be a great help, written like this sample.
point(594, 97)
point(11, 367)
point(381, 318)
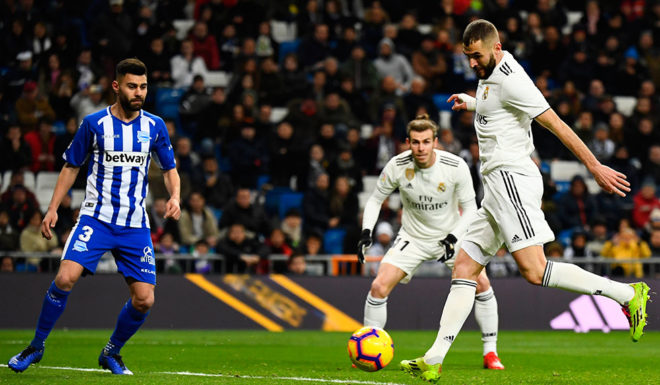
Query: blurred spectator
point(345, 166)
point(291, 226)
point(390, 63)
point(157, 61)
point(192, 103)
point(32, 241)
point(18, 75)
point(554, 250)
point(295, 81)
point(214, 120)
point(654, 243)
point(386, 97)
point(269, 82)
point(266, 45)
point(578, 247)
point(316, 206)
point(197, 222)
point(242, 210)
point(345, 44)
point(276, 243)
point(599, 236)
point(186, 65)
point(448, 142)
point(286, 155)
point(20, 207)
point(418, 98)
point(8, 234)
point(577, 207)
point(31, 107)
point(601, 145)
point(187, 161)
point(215, 185)
point(296, 264)
point(315, 48)
point(428, 63)
point(248, 156)
point(384, 235)
point(644, 203)
point(381, 147)
point(652, 165)
point(205, 45)
point(6, 265)
point(361, 70)
point(63, 140)
point(65, 216)
point(112, 30)
point(42, 145)
point(640, 140)
point(630, 74)
point(307, 18)
point(200, 252)
point(229, 47)
point(160, 226)
point(15, 153)
point(242, 254)
point(626, 245)
point(61, 94)
point(167, 247)
point(621, 162)
point(313, 244)
point(546, 57)
point(344, 205)
point(87, 101)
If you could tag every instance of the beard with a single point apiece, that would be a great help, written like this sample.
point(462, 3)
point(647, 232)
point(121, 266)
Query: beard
point(485, 72)
point(129, 105)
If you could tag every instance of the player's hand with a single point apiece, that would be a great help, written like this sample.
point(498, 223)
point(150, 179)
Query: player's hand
point(172, 209)
point(448, 243)
point(363, 244)
point(48, 223)
point(462, 102)
point(611, 180)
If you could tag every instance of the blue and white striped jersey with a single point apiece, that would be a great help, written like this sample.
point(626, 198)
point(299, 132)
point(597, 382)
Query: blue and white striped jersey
point(120, 156)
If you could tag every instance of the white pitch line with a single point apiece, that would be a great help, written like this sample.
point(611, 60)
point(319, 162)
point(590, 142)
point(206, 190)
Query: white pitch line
point(193, 374)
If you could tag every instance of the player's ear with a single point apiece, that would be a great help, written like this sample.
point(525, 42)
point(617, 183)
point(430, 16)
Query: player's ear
point(115, 85)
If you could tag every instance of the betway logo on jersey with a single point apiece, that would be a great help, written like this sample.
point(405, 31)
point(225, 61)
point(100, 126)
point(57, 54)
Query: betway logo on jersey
point(125, 158)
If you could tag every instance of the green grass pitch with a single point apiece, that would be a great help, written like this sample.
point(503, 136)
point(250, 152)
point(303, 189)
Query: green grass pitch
point(310, 357)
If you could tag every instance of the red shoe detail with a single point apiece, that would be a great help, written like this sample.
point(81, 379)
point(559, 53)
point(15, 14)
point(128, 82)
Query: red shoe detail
point(491, 361)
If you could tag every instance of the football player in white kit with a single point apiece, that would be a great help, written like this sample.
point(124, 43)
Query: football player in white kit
point(506, 102)
point(433, 185)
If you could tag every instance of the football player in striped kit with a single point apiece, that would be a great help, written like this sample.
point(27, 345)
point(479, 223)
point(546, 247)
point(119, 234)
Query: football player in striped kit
point(119, 142)
point(506, 102)
point(435, 186)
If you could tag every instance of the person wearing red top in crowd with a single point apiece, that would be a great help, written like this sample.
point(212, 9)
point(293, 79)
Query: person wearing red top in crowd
point(42, 143)
point(644, 202)
point(205, 45)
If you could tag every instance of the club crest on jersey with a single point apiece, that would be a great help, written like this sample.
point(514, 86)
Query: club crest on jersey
point(442, 187)
point(410, 173)
point(485, 95)
point(80, 246)
point(143, 136)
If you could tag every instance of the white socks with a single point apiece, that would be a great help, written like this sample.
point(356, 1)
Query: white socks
point(375, 311)
point(457, 308)
point(485, 311)
point(572, 278)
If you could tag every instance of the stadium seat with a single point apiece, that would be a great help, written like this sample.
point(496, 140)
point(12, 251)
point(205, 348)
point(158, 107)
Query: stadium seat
point(283, 31)
point(369, 183)
point(440, 101)
point(565, 170)
point(395, 201)
point(45, 184)
point(167, 102)
point(564, 237)
point(333, 241)
point(362, 198)
point(183, 27)
point(287, 47)
point(289, 201)
point(625, 104)
point(28, 180)
point(366, 130)
point(262, 180)
point(271, 205)
point(445, 119)
point(77, 197)
point(278, 114)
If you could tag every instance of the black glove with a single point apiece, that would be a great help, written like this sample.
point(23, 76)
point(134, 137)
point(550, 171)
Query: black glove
point(363, 244)
point(448, 243)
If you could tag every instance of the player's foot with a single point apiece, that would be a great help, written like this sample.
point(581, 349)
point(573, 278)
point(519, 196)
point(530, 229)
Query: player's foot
point(635, 310)
point(492, 361)
point(24, 359)
point(113, 363)
point(421, 369)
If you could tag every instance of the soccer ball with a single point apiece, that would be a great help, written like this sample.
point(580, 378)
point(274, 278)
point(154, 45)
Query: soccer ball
point(370, 348)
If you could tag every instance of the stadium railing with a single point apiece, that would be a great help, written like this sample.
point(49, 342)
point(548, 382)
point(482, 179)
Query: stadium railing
point(343, 264)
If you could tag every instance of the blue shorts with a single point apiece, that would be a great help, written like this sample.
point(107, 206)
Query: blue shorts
point(132, 248)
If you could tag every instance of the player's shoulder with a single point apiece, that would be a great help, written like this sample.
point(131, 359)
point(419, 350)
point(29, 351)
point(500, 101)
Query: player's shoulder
point(509, 71)
point(448, 159)
point(404, 159)
point(95, 117)
point(154, 119)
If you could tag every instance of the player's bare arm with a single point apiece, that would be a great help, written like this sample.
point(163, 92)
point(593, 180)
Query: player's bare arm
point(608, 179)
point(64, 182)
point(173, 185)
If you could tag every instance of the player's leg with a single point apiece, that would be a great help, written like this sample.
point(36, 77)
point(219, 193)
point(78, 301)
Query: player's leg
point(375, 307)
point(538, 271)
point(485, 312)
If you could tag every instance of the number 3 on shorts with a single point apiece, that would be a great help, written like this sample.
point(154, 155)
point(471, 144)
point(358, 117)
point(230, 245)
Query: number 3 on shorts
point(86, 233)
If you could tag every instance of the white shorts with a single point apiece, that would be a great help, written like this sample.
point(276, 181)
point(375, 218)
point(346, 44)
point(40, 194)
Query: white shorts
point(510, 214)
point(408, 254)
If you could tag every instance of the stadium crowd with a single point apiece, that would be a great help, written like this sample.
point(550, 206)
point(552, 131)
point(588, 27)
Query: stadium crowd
point(256, 184)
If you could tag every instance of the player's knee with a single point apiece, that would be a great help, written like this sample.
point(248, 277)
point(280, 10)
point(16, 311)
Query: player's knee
point(143, 302)
point(65, 280)
point(533, 276)
point(379, 289)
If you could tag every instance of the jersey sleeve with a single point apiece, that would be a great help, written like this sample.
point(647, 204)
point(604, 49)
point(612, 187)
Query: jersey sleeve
point(519, 92)
point(162, 151)
point(387, 181)
point(80, 147)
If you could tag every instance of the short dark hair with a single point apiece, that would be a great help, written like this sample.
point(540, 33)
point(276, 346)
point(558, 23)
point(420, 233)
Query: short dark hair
point(479, 29)
point(133, 66)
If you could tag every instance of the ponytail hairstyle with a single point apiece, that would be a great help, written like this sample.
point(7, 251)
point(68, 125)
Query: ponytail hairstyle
point(422, 123)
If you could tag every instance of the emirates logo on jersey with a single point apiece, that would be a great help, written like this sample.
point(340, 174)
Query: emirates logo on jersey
point(442, 187)
point(485, 95)
point(410, 173)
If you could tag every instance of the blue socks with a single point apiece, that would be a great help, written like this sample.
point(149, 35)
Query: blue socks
point(128, 323)
point(52, 308)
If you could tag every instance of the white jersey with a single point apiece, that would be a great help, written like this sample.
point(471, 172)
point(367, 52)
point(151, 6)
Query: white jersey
point(430, 196)
point(507, 102)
